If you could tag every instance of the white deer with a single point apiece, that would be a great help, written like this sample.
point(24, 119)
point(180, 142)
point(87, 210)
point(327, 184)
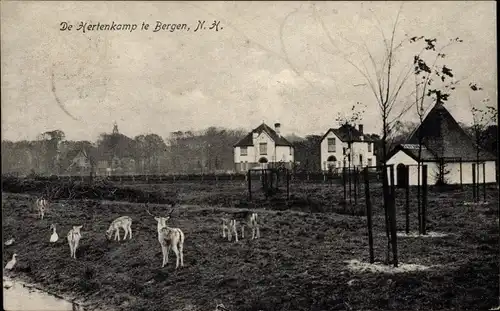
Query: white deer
point(169, 238)
point(248, 219)
point(74, 237)
point(41, 205)
point(229, 225)
point(124, 222)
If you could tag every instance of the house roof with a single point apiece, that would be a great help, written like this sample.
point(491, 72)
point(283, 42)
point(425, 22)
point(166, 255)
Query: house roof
point(443, 135)
point(347, 130)
point(278, 139)
point(412, 151)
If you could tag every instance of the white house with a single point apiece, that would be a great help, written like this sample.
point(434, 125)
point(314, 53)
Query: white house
point(263, 146)
point(335, 151)
point(447, 148)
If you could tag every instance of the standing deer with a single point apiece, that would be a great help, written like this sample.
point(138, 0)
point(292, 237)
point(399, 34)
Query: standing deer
point(41, 205)
point(124, 222)
point(229, 225)
point(74, 237)
point(169, 238)
point(248, 219)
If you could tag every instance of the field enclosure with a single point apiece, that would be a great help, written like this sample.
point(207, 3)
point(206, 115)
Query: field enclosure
point(300, 262)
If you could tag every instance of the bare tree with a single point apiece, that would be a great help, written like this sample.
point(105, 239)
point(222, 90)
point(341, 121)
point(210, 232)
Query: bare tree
point(481, 119)
point(424, 77)
point(386, 85)
point(348, 124)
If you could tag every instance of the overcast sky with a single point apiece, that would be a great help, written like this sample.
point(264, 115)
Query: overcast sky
point(271, 61)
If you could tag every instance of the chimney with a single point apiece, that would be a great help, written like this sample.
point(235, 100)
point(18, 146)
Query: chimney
point(277, 128)
point(255, 134)
point(361, 128)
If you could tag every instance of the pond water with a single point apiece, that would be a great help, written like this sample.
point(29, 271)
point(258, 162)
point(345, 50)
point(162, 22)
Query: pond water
point(21, 298)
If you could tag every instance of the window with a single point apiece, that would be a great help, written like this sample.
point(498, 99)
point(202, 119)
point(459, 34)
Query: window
point(263, 148)
point(369, 147)
point(369, 162)
point(343, 151)
point(361, 160)
point(331, 144)
point(290, 150)
point(243, 151)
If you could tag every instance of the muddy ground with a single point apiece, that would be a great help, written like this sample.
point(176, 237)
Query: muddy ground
point(298, 264)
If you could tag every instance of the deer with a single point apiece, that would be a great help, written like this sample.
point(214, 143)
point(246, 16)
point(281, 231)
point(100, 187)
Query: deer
point(169, 238)
point(74, 237)
point(229, 225)
point(246, 218)
point(41, 205)
point(124, 222)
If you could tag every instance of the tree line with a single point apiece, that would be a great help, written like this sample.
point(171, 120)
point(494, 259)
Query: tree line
point(204, 151)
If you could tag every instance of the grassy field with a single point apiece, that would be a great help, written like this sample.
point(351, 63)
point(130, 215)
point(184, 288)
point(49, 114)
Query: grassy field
point(298, 264)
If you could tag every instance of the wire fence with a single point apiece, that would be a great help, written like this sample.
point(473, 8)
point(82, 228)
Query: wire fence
point(297, 177)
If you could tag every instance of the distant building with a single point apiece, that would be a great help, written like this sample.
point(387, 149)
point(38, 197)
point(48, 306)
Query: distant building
point(335, 151)
point(263, 147)
point(447, 150)
point(79, 162)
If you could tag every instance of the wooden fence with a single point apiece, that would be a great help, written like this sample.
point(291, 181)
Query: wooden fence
point(298, 177)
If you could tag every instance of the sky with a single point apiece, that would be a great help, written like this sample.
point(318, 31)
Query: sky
point(288, 62)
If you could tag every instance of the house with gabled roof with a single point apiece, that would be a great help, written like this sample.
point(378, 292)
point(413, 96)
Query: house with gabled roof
point(262, 147)
point(346, 146)
point(447, 150)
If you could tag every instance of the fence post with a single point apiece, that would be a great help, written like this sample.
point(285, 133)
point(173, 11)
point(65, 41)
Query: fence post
point(369, 215)
point(249, 179)
point(424, 199)
point(474, 182)
point(484, 181)
point(386, 199)
point(407, 191)
point(287, 185)
point(478, 182)
point(461, 181)
point(355, 187)
point(344, 184)
point(392, 204)
point(350, 186)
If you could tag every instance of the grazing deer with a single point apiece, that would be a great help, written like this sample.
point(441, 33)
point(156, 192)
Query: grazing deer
point(74, 237)
point(169, 238)
point(229, 225)
point(249, 219)
point(124, 222)
point(41, 205)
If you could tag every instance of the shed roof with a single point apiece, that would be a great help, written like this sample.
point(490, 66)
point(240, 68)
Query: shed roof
point(443, 135)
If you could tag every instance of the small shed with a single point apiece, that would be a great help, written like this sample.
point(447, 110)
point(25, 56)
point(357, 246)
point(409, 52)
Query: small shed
point(447, 150)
